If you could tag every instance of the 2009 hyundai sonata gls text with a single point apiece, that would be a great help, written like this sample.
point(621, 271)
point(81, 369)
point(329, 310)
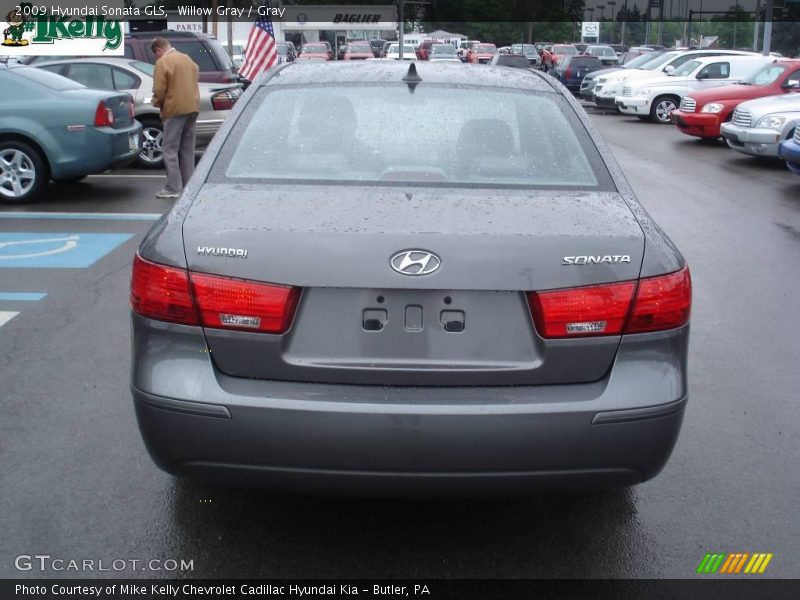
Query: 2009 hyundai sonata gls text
point(394, 278)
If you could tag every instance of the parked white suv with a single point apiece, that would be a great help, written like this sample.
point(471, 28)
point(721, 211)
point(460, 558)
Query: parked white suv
point(610, 86)
point(655, 98)
point(759, 126)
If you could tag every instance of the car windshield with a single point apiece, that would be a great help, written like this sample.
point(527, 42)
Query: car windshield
point(315, 48)
point(236, 49)
point(686, 68)
point(485, 48)
point(372, 134)
point(143, 67)
point(359, 48)
point(282, 50)
point(766, 75)
point(46, 78)
point(601, 51)
point(659, 61)
point(395, 49)
point(565, 50)
point(639, 61)
point(443, 49)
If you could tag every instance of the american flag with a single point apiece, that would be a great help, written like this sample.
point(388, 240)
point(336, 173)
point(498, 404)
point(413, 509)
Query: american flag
point(261, 52)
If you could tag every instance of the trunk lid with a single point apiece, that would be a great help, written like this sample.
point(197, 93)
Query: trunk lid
point(466, 323)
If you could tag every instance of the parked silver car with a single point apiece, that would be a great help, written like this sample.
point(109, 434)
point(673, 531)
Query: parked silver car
point(136, 78)
point(328, 308)
point(759, 126)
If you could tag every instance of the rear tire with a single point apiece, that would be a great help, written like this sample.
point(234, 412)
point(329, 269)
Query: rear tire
point(151, 156)
point(662, 107)
point(23, 172)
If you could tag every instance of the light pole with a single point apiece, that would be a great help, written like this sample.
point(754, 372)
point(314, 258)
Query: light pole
point(611, 4)
point(602, 8)
point(624, 20)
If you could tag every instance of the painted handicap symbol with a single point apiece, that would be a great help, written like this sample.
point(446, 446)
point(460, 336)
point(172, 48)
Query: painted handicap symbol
point(56, 250)
point(66, 243)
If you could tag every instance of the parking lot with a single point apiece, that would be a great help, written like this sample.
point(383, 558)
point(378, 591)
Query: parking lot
point(77, 482)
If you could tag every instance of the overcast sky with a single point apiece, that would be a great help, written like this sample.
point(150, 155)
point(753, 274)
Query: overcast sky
point(675, 8)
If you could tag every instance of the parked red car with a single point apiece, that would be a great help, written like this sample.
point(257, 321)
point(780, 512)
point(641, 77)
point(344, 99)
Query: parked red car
point(481, 53)
point(551, 56)
point(703, 112)
point(423, 49)
point(358, 51)
point(316, 51)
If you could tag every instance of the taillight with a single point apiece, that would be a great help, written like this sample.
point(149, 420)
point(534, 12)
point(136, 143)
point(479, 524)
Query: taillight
point(662, 303)
point(178, 296)
point(162, 293)
point(131, 108)
point(103, 117)
point(568, 73)
point(223, 100)
point(244, 305)
point(596, 310)
point(651, 304)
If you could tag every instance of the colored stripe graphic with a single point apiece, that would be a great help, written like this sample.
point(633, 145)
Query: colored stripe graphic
point(732, 563)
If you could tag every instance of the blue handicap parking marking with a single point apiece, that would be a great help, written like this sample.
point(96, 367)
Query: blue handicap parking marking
point(57, 250)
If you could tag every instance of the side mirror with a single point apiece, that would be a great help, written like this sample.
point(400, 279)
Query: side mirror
point(792, 84)
point(669, 70)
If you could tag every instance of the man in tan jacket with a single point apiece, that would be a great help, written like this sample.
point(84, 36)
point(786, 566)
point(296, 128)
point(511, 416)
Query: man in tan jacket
point(177, 94)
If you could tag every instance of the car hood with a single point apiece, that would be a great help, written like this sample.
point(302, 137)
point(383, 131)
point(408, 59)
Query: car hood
point(770, 104)
point(602, 72)
point(730, 92)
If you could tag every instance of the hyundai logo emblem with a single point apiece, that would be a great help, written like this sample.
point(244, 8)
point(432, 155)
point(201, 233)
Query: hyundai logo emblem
point(415, 262)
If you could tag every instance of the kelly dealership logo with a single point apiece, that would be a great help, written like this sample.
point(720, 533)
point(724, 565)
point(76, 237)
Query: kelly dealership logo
point(36, 31)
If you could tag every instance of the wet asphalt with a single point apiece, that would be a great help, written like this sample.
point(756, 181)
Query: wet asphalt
point(78, 484)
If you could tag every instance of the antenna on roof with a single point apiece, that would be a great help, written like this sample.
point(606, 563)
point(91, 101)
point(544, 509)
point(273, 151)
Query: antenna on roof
point(412, 78)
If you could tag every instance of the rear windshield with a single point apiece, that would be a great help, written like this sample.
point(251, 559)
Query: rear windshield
point(315, 48)
point(359, 48)
point(600, 51)
point(45, 78)
point(484, 48)
point(439, 135)
point(443, 49)
point(565, 50)
point(583, 61)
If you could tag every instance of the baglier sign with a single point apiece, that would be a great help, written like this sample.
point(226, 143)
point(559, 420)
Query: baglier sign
point(29, 30)
point(339, 17)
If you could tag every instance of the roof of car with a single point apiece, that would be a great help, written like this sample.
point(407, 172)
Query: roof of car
point(394, 71)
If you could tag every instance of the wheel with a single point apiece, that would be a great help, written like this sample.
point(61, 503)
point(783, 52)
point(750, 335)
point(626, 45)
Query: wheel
point(23, 172)
point(151, 156)
point(661, 109)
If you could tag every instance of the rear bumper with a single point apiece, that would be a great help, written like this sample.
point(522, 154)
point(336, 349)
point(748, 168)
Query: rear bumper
point(358, 439)
point(92, 150)
point(697, 124)
point(752, 140)
point(420, 452)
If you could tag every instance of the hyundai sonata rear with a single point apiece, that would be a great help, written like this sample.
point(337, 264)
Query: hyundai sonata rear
point(328, 309)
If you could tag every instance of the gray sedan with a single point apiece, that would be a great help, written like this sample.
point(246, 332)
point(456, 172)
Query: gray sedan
point(136, 78)
point(329, 308)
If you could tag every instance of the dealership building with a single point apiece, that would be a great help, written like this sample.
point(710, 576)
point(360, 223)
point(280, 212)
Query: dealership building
point(335, 23)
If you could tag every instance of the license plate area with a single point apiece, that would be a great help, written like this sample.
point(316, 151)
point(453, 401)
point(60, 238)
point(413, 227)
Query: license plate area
point(412, 329)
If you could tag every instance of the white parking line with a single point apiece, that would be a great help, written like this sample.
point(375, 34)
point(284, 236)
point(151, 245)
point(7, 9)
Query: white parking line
point(6, 316)
point(82, 215)
point(142, 176)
